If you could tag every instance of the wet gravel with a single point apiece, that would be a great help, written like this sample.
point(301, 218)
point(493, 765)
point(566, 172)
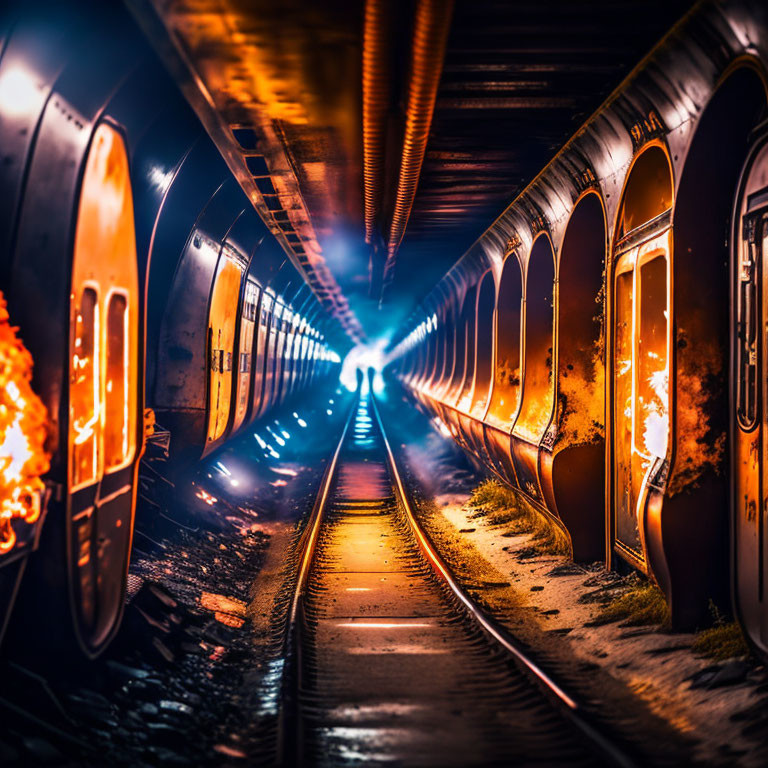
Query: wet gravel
point(186, 681)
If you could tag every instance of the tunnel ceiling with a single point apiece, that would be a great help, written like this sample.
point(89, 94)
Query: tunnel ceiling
point(279, 85)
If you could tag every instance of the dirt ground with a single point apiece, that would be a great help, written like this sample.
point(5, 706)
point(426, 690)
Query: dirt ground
point(550, 603)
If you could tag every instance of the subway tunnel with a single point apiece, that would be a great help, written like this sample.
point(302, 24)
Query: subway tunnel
point(383, 382)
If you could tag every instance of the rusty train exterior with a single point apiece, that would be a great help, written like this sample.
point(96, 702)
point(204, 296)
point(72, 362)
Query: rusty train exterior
point(602, 346)
point(125, 242)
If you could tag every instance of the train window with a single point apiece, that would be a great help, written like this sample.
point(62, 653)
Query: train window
point(249, 302)
point(85, 390)
point(648, 193)
point(538, 383)
point(626, 520)
point(651, 387)
point(750, 273)
point(641, 377)
point(118, 435)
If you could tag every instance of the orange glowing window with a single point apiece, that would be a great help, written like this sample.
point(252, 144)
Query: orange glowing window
point(626, 520)
point(641, 330)
point(652, 401)
point(648, 193)
point(84, 389)
point(104, 319)
point(118, 432)
point(641, 377)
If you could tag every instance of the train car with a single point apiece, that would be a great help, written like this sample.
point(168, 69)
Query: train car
point(591, 344)
point(112, 194)
point(69, 245)
point(216, 369)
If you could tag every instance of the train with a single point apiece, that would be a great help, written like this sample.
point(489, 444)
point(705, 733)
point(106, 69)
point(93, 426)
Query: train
point(602, 347)
point(146, 288)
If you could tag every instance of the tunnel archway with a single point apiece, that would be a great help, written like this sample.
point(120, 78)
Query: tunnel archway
point(460, 355)
point(430, 350)
point(439, 334)
point(507, 374)
point(538, 381)
point(573, 474)
point(449, 355)
point(469, 320)
point(484, 344)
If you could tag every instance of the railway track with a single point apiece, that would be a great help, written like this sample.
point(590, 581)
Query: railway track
point(388, 660)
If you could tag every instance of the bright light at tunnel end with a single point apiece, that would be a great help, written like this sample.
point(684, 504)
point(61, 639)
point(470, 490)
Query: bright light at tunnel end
point(362, 357)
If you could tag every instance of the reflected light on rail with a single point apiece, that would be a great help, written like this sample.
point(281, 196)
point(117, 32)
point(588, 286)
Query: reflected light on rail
point(361, 358)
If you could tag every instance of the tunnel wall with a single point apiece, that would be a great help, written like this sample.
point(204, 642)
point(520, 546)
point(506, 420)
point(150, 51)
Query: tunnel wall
point(564, 463)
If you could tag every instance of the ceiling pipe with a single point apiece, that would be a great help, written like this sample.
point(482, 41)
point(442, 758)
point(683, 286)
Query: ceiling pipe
point(376, 99)
point(430, 35)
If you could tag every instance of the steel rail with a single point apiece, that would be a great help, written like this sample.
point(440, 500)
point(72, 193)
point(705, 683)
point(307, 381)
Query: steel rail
point(290, 752)
point(570, 707)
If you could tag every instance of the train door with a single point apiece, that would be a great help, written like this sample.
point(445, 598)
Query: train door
point(302, 352)
point(260, 356)
point(245, 352)
point(750, 298)
point(281, 313)
point(311, 364)
point(641, 349)
point(296, 353)
point(103, 430)
point(221, 340)
point(288, 324)
point(269, 362)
